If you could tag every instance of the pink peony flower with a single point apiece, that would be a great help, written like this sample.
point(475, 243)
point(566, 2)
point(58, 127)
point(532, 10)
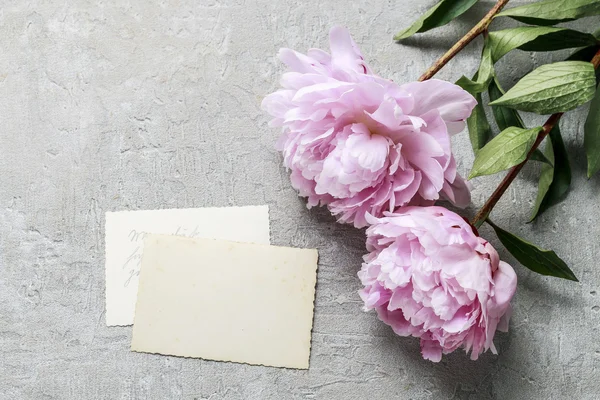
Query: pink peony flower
point(363, 144)
point(429, 275)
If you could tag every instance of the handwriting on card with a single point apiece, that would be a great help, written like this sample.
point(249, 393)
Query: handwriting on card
point(134, 260)
point(125, 232)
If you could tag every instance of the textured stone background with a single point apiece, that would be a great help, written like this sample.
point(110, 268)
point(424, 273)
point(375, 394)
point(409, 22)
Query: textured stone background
point(142, 105)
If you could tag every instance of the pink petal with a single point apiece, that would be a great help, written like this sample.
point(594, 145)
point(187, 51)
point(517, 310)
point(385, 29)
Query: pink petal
point(431, 350)
point(505, 284)
point(453, 103)
point(457, 192)
point(396, 321)
point(321, 56)
point(299, 62)
point(345, 54)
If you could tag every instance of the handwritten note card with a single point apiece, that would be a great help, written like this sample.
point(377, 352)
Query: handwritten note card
point(125, 231)
point(225, 301)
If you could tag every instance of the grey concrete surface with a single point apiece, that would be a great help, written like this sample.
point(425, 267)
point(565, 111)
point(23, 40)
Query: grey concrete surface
point(126, 105)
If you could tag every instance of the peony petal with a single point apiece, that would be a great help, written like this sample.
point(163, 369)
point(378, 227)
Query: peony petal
point(431, 350)
point(396, 321)
point(405, 195)
point(435, 127)
point(503, 322)
point(345, 54)
point(278, 103)
point(457, 192)
point(370, 151)
point(505, 284)
point(296, 80)
point(299, 62)
point(459, 322)
point(374, 296)
point(443, 304)
point(440, 279)
point(321, 56)
point(416, 145)
point(453, 103)
point(319, 91)
point(466, 266)
point(389, 114)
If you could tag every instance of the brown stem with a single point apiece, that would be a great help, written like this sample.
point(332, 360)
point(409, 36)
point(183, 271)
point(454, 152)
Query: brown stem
point(485, 211)
point(464, 41)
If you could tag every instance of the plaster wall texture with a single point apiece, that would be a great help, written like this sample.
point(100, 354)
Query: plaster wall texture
point(127, 105)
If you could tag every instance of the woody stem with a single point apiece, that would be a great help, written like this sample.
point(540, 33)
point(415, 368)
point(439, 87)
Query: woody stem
point(485, 211)
point(464, 41)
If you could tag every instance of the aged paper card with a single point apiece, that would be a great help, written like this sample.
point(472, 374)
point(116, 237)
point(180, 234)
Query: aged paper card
point(225, 301)
point(125, 232)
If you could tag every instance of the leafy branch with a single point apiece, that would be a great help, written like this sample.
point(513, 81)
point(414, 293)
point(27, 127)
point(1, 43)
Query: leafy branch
point(485, 211)
point(464, 41)
point(550, 89)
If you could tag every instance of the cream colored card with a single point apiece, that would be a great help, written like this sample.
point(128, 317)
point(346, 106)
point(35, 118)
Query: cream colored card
point(125, 231)
point(225, 301)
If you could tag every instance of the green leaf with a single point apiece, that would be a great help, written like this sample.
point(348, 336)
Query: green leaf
point(591, 138)
point(550, 12)
point(506, 150)
point(586, 54)
point(562, 169)
point(561, 174)
point(541, 157)
point(537, 38)
point(546, 178)
point(552, 88)
point(480, 131)
point(484, 75)
point(544, 262)
point(472, 86)
point(507, 117)
point(439, 15)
